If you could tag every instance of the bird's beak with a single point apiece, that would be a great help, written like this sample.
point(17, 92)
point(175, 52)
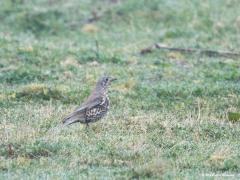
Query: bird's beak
point(113, 79)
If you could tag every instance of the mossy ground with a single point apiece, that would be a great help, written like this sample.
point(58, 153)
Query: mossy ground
point(168, 116)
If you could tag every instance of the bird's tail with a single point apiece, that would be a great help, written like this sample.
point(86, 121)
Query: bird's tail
point(69, 120)
point(73, 118)
point(76, 116)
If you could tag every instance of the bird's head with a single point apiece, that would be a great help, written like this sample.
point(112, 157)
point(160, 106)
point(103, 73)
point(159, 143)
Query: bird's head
point(105, 81)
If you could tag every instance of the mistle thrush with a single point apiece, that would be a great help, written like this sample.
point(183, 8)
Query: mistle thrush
point(95, 106)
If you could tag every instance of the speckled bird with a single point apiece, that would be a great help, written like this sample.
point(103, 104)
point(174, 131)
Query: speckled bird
point(95, 106)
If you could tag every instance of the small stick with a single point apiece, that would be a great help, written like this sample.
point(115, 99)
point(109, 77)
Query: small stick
point(97, 49)
point(207, 52)
point(10, 150)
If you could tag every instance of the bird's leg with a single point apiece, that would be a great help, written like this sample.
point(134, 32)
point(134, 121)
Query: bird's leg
point(87, 127)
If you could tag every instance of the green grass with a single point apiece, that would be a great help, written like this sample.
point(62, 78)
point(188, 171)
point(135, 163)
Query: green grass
point(168, 116)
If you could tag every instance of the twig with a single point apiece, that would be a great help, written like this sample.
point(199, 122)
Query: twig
point(95, 16)
point(10, 152)
point(97, 49)
point(207, 52)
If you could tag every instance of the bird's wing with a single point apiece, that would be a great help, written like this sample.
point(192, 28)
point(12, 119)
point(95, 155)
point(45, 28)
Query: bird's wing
point(79, 114)
point(91, 103)
point(75, 116)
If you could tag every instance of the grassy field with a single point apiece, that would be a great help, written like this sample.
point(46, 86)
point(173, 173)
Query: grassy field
point(168, 115)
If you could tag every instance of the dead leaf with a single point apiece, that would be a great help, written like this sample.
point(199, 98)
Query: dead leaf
point(93, 63)
point(146, 50)
point(10, 152)
point(70, 61)
point(175, 55)
point(28, 48)
point(90, 28)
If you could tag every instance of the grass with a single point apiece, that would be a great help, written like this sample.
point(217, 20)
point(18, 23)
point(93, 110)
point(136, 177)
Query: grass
point(168, 116)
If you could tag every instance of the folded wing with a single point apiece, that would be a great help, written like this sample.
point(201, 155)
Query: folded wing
point(79, 115)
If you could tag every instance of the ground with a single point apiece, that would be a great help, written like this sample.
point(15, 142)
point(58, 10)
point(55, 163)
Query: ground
point(169, 110)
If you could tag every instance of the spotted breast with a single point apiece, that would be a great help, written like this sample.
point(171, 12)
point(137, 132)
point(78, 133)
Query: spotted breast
point(98, 111)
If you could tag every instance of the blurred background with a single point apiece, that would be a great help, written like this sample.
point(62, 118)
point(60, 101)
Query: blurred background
point(169, 112)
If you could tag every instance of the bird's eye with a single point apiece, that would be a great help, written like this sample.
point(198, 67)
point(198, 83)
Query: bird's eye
point(106, 79)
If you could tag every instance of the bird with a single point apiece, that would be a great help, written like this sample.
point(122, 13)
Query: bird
point(94, 107)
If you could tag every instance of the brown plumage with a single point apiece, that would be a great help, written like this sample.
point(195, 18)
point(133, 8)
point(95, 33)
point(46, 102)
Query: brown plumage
point(95, 106)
